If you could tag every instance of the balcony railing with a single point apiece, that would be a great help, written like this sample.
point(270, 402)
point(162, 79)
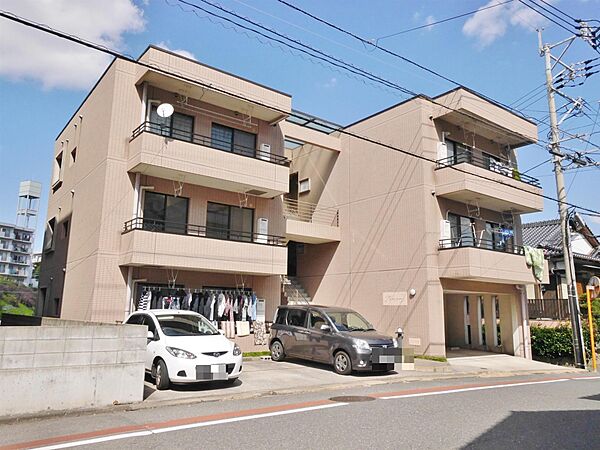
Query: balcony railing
point(309, 212)
point(548, 308)
point(486, 244)
point(161, 226)
point(488, 162)
point(208, 141)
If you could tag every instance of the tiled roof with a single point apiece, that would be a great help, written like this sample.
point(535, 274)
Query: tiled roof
point(546, 235)
point(542, 234)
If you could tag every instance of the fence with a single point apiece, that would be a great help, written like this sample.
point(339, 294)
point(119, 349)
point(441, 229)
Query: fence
point(548, 308)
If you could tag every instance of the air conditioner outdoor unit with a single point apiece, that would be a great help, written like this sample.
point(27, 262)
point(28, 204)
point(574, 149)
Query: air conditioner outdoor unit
point(445, 234)
point(265, 152)
point(262, 230)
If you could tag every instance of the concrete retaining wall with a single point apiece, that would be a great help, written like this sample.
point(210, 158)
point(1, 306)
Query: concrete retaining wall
point(67, 364)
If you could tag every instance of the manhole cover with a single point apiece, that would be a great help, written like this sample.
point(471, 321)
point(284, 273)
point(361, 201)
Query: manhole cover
point(352, 398)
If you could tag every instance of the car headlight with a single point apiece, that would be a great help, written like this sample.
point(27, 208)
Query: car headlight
point(396, 343)
point(179, 353)
point(361, 344)
point(236, 350)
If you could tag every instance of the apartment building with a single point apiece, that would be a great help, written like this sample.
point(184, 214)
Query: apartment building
point(233, 193)
point(15, 252)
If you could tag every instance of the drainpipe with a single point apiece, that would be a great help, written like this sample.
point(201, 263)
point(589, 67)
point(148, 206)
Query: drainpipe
point(144, 101)
point(136, 195)
point(129, 292)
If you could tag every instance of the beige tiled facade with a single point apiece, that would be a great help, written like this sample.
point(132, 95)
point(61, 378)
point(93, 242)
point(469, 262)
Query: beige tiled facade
point(365, 227)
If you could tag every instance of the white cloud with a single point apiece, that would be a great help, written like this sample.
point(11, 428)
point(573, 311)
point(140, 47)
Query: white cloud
point(429, 20)
point(181, 52)
point(490, 24)
point(29, 54)
point(330, 84)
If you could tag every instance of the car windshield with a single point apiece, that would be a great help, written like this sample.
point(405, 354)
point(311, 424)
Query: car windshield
point(186, 325)
point(349, 321)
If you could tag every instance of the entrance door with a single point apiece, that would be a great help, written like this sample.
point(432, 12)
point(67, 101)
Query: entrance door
point(292, 258)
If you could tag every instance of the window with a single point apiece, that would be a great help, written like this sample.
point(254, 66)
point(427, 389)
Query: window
point(296, 317)
point(316, 320)
point(497, 237)
point(281, 316)
point(178, 126)
point(148, 321)
point(457, 153)
point(462, 230)
point(65, 229)
point(136, 319)
point(49, 235)
point(57, 173)
point(233, 140)
point(166, 213)
point(73, 156)
point(304, 186)
point(229, 222)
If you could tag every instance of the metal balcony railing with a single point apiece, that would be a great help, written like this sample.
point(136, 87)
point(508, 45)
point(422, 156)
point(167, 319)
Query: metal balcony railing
point(208, 141)
point(186, 229)
point(486, 244)
point(309, 212)
point(548, 308)
point(488, 162)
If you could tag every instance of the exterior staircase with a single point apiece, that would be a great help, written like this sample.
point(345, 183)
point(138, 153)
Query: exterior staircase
point(293, 291)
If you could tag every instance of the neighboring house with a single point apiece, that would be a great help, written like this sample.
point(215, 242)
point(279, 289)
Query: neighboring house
point(15, 252)
point(226, 196)
point(546, 235)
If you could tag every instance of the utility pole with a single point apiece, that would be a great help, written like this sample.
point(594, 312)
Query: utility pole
point(578, 343)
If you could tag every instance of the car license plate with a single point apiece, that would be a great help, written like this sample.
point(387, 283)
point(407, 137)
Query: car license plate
point(211, 372)
point(386, 355)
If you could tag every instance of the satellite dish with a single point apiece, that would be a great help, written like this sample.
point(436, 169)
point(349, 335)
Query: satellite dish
point(165, 110)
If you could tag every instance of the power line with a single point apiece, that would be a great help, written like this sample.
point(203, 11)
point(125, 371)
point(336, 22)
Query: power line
point(325, 125)
point(560, 11)
point(367, 42)
point(548, 18)
point(448, 19)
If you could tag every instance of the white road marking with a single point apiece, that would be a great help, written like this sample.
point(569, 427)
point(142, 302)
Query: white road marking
point(115, 437)
point(586, 378)
point(478, 388)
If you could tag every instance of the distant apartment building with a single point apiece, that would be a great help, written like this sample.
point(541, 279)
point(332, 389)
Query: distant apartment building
point(235, 193)
point(15, 252)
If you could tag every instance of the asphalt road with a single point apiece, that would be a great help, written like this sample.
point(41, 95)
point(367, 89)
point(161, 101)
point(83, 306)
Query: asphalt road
point(516, 412)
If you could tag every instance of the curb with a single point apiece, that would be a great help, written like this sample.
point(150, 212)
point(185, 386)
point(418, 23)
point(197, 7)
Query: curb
point(418, 376)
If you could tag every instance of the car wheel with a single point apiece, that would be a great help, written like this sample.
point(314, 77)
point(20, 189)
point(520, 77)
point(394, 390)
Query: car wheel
point(277, 352)
point(342, 363)
point(161, 377)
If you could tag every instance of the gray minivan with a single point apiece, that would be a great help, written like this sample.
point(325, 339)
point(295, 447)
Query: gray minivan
point(337, 336)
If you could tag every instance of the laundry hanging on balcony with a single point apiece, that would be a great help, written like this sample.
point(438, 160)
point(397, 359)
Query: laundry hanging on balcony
point(534, 257)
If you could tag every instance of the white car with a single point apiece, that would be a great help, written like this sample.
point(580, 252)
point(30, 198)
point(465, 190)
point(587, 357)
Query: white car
point(184, 347)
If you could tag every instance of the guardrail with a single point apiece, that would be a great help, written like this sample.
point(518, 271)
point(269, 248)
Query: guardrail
point(161, 226)
point(208, 141)
point(488, 162)
point(548, 308)
point(309, 212)
point(486, 244)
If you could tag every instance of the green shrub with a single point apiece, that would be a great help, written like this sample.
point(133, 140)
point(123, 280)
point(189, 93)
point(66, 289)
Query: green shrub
point(552, 343)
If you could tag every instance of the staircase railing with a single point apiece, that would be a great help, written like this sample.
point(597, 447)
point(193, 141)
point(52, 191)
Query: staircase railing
point(291, 292)
point(309, 212)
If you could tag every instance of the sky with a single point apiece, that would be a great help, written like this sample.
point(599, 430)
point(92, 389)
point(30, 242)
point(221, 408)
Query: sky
point(43, 79)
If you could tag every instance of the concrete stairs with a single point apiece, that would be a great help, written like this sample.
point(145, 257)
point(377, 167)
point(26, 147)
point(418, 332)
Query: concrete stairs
point(294, 292)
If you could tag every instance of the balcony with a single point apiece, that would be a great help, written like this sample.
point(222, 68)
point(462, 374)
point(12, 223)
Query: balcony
point(173, 154)
point(306, 222)
point(483, 180)
point(199, 248)
point(486, 261)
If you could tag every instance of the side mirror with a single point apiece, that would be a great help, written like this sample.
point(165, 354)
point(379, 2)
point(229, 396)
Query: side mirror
point(150, 335)
point(221, 332)
point(325, 328)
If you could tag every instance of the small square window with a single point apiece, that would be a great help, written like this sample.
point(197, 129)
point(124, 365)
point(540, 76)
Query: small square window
point(304, 186)
point(73, 155)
